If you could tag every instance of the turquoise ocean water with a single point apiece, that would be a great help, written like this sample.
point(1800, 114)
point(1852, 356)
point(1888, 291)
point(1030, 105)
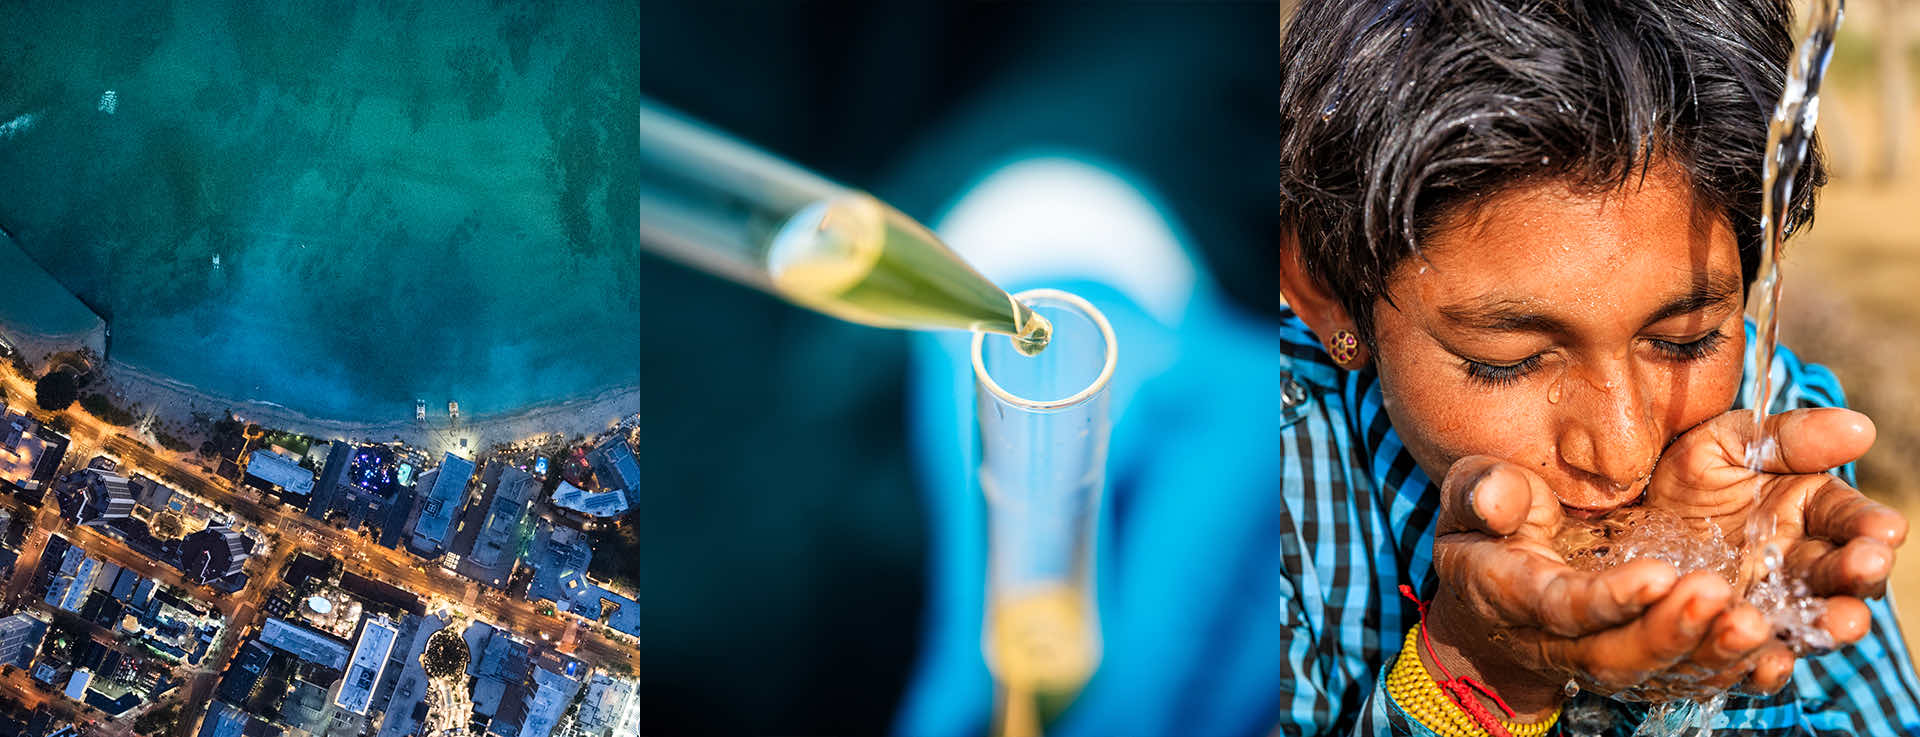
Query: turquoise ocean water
point(336, 206)
point(31, 297)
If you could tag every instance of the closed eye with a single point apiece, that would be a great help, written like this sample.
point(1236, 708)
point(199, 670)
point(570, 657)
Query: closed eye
point(1498, 375)
point(1693, 350)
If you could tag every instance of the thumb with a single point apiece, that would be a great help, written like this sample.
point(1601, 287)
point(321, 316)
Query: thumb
point(1487, 495)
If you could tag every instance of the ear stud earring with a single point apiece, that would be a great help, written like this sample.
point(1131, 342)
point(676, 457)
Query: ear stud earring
point(1344, 346)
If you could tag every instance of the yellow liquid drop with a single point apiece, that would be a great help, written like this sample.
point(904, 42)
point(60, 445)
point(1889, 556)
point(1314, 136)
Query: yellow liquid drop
point(1042, 640)
point(1035, 333)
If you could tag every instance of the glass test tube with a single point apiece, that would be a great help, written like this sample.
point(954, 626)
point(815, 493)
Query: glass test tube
point(1043, 431)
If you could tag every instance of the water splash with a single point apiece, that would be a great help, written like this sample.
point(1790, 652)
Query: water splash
point(1789, 141)
point(1682, 718)
point(1640, 532)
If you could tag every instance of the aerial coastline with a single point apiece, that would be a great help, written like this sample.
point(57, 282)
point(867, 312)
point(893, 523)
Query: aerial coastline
point(185, 410)
point(176, 402)
point(257, 255)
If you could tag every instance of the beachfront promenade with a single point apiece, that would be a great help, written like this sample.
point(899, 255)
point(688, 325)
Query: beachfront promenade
point(289, 532)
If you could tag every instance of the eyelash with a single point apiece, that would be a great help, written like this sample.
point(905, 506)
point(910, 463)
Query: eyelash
point(1497, 375)
point(1705, 345)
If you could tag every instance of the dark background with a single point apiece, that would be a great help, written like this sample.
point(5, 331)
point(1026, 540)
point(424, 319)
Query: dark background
point(782, 544)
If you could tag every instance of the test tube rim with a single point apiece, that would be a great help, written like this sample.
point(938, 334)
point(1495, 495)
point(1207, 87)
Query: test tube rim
point(1099, 382)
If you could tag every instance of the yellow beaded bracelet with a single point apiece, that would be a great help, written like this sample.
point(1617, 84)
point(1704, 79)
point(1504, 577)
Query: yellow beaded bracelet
point(1422, 699)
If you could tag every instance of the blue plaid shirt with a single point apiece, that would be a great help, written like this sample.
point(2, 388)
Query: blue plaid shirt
point(1357, 522)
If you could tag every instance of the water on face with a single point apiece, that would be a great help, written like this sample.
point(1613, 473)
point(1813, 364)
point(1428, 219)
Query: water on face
point(1639, 533)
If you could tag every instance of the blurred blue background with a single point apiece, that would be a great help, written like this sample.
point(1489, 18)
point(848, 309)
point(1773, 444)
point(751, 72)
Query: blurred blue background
point(783, 540)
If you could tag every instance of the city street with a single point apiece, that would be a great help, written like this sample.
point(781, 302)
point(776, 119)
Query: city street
point(289, 531)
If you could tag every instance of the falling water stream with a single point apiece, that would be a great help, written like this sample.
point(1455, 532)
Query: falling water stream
point(1651, 533)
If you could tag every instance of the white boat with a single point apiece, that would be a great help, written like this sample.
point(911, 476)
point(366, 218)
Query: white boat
point(453, 410)
point(420, 409)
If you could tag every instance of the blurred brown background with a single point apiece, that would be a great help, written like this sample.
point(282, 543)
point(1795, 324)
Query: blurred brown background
point(1852, 281)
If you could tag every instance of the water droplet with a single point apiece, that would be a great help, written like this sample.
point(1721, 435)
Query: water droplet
point(1571, 689)
point(1326, 113)
point(1553, 394)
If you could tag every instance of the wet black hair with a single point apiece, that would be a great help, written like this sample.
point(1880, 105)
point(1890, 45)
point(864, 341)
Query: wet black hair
point(1396, 112)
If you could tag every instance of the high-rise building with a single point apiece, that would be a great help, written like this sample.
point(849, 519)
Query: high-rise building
point(109, 497)
point(446, 490)
point(213, 553)
point(20, 637)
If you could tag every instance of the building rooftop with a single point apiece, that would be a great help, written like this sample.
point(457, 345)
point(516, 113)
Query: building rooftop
point(498, 544)
point(441, 502)
point(77, 685)
point(552, 694)
point(562, 555)
point(243, 670)
point(215, 553)
point(306, 708)
point(611, 706)
point(20, 636)
point(280, 471)
point(74, 581)
point(304, 643)
point(615, 466)
point(20, 448)
point(224, 720)
point(151, 494)
point(602, 503)
point(368, 664)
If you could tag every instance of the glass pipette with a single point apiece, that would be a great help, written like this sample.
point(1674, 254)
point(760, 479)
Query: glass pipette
point(726, 208)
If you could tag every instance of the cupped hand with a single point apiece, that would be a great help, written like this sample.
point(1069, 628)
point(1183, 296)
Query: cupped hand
point(1511, 613)
point(1824, 532)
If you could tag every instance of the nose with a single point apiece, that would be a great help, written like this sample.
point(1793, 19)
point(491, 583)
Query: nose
point(1607, 436)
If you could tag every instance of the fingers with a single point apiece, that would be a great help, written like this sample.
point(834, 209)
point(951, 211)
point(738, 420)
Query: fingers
point(1490, 496)
point(1518, 586)
point(1802, 440)
point(1847, 619)
point(1840, 513)
point(1771, 669)
point(1860, 568)
point(1726, 655)
point(1672, 628)
point(1736, 635)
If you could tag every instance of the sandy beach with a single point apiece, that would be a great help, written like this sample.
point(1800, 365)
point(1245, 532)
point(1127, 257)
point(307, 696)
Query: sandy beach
point(175, 404)
point(37, 347)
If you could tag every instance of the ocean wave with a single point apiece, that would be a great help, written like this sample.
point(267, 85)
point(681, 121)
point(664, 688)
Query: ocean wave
point(17, 125)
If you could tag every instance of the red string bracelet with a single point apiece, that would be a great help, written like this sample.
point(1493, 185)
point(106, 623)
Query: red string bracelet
point(1461, 689)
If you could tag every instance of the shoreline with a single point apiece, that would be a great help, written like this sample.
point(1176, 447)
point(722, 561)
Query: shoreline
point(36, 347)
point(174, 403)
